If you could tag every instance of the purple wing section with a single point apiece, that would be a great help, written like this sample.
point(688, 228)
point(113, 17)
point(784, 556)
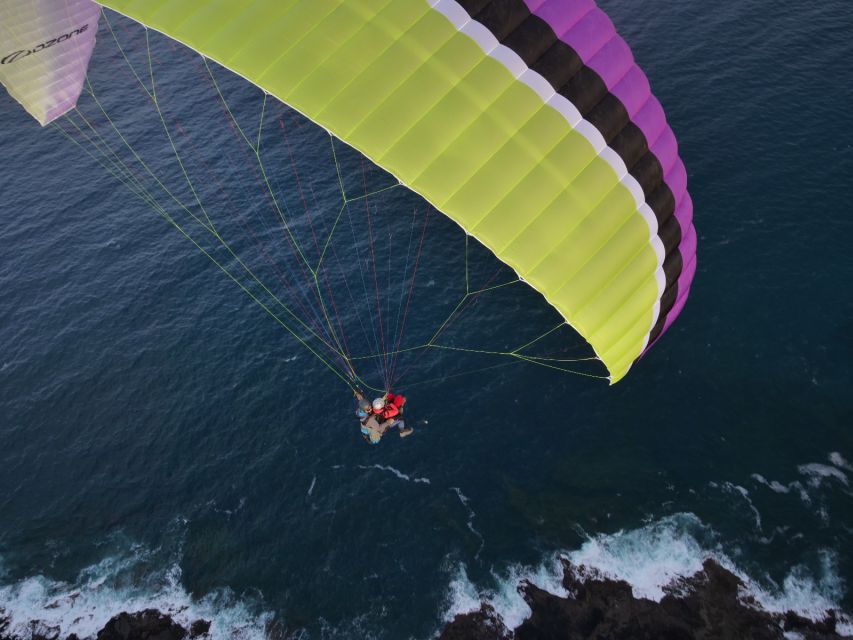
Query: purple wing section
point(592, 35)
point(45, 46)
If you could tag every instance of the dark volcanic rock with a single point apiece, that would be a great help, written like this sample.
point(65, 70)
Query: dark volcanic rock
point(199, 628)
point(705, 606)
point(144, 625)
point(484, 624)
point(812, 630)
point(41, 631)
point(37, 630)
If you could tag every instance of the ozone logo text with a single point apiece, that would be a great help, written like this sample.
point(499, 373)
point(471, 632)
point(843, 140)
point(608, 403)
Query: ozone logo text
point(23, 53)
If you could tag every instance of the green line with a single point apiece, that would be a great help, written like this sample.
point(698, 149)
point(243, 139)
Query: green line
point(467, 285)
point(458, 375)
point(257, 153)
point(121, 49)
point(480, 351)
point(544, 335)
point(331, 233)
point(261, 123)
point(171, 142)
point(390, 353)
point(338, 167)
point(342, 351)
point(163, 213)
point(225, 103)
point(374, 193)
point(182, 206)
point(280, 214)
point(265, 308)
point(443, 324)
point(123, 180)
point(550, 366)
point(95, 145)
point(541, 359)
point(497, 286)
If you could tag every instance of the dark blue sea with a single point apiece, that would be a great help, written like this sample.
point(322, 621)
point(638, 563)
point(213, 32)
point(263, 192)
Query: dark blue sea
point(168, 439)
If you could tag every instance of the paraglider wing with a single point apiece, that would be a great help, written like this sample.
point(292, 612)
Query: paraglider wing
point(46, 46)
point(527, 122)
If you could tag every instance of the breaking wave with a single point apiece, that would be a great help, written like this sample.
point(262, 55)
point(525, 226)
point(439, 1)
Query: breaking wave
point(127, 582)
point(650, 558)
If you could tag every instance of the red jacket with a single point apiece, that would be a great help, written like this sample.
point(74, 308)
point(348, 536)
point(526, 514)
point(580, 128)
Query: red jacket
point(392, 407)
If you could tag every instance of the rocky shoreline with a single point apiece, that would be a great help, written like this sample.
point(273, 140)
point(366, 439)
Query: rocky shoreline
point(708, 605)
point(149, 624)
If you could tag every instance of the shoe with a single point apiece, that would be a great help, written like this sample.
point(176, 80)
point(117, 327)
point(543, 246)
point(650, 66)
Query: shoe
point(406, 432)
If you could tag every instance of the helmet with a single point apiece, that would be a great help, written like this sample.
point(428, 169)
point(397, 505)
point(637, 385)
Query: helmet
point(364, 405)
point(379, 404)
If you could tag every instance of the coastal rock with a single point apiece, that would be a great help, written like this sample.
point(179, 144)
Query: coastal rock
point(42, 631)
point(824, 629)
point(199, 628)
point(149, 624)
point(484, 624)
point(144, 625)
point(37, 630)
point(705, 606)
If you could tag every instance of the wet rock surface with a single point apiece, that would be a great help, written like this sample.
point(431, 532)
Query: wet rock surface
point(706, 606)
point(149, 624)
point(199, 628)
point(144, 625)
point(484, 624)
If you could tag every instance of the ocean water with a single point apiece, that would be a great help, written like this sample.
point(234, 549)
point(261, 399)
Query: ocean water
point(166, 442)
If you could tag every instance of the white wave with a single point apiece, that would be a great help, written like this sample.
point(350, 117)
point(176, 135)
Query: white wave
point(838, 460)
point(650, 558)
point(464, 597)
point(778, 487)
point(817, 473)
point(229, 512)
point(736, 488)
point(778, 531)
point(396, 472)
point(773, 485)
point(124, 583)
point(313, 482)
point(471, 515)
point(806, 594)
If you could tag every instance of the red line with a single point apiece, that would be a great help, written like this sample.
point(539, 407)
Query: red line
point(409, 300)
point(375, 276)
point(265, 191)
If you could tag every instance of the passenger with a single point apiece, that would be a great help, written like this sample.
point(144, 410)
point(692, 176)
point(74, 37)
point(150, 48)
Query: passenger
point(371, 430)
point(364, 408)
point(389, 408)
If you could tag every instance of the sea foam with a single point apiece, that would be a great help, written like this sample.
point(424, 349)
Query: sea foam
point(650, 558)
point(124, 583)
